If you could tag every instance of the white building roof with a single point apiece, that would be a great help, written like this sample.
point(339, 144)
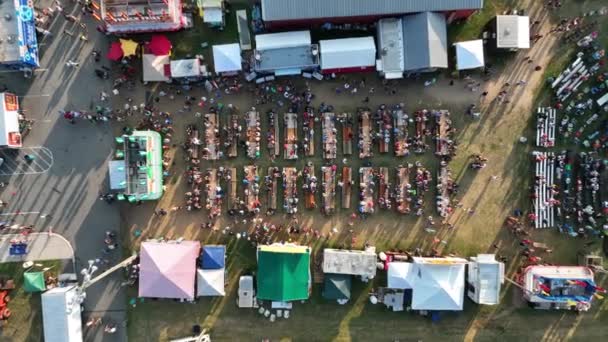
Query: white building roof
point(210, 282)
point(185, 68)
point(512, 31)
point(227, 57)
point(246, 292)
point(9, 122)
point(485, 276)
point(61, 315)
point(348, 53)
point(399, 276)
point(154, 68)
point(390, 47)
point(282, 40)
point(340, 261)
point(469, 54)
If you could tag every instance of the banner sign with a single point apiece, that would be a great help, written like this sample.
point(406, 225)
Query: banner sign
point(28, 45)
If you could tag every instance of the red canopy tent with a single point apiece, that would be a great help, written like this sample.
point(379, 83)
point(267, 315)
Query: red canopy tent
point(159, 45)
point(115, 53)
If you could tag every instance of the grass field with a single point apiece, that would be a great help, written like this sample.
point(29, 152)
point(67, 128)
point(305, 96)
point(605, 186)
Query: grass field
point(495, 135)
point(25, 323)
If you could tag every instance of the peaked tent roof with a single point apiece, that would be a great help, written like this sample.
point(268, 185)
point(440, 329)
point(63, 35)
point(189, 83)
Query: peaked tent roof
point(168, 270)
point(34, 282)
point(227, 57)
point(213, 257)
point(210, 282)
point(283, 272)
point(337, 286)
point(399, 275)
point(425, 41)
point(469, 54)
point(438, 286)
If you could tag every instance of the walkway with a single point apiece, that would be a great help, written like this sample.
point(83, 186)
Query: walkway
point(40, 246)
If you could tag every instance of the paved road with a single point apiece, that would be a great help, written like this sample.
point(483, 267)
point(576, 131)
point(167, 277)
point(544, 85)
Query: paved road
point(66, 195)
point(14, 162)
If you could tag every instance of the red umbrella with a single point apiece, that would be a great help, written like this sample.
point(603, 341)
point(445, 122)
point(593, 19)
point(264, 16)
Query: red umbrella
point(159, 45)
point(115, 53)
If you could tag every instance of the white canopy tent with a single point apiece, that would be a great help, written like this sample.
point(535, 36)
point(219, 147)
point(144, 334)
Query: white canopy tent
point(512, 32)
point(154, 68)
point(439, 284)
point(210, 283)
point(399, 275)
point(185, 68)
point(61, 316)
point(436, 283)
point(282, 40)
point(469, 55)
point(227, 58)
point(348, 53)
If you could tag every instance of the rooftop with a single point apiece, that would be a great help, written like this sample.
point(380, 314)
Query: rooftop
point(390, 45)
point(286, 58)
point(9, 31)
point(512, 31)
point(274, 10)
point(425, 41)
point(339, 261)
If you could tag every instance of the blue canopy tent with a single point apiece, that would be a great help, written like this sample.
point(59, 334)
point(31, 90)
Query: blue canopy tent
point(213, 257)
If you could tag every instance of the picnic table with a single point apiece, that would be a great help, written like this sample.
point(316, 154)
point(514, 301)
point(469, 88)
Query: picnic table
point(234, 133)
point(291, 136)
point(273, 134)
point(290, 189)
point(272, 180)
point(384, 191)
point(347, 181)
point(365, 135)
point(308, 127)
point(401, 135)
point(212, 137)
point(385, 127)
point(253, 134)
point(330, 136)
point(402, 196)
point(347, 134)
point(251, 182)
point(367, 187)
point(310, 187)
point(329, 188)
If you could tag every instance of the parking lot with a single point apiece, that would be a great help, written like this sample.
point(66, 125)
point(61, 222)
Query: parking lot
point(14, 161)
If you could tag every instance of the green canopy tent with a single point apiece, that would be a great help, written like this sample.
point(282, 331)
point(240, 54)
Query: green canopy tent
point(283, 273)
point(337, 286)
point(34, 282)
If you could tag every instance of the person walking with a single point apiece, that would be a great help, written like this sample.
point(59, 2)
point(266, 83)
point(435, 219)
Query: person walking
point(29, 158)
point(70, 63)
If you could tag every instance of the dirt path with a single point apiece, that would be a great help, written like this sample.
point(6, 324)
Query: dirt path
point(495, 191)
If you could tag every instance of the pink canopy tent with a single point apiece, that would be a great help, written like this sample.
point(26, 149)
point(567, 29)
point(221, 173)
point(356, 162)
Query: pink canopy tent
point(159, 45)
point(168, 270)
point(115, 53)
